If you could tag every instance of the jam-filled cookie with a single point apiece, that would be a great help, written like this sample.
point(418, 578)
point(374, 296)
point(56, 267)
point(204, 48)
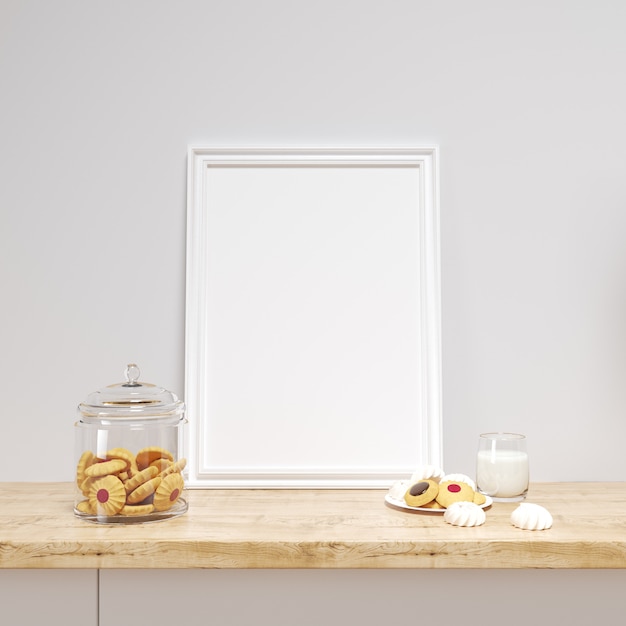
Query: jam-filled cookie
point(451, 491)
point(421, 493)
point(107, 495)
point(168, 491)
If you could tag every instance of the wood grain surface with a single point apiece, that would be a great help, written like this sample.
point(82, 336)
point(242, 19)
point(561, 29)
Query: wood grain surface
point(313, 529)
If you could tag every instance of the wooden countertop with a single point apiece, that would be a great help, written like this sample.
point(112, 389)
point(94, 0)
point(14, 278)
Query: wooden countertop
point(313, 529)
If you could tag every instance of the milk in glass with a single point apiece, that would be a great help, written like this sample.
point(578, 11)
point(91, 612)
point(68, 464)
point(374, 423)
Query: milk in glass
point(502, 473)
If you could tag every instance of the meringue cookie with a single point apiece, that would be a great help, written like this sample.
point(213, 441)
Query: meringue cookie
point(529, 516)
point(464, 514)
point(460, 478)
point(427, 472)
point(398, 489)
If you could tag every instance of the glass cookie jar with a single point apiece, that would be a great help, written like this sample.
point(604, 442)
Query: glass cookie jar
point(128, 442)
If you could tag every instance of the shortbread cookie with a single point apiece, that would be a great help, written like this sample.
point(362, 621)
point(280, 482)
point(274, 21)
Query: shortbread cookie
point(107, 495)
point(120, 453)
point(145, 456)
point(140, 477)
point(459, 478)
point(84, 507)
point(451, 491)
point(85, 486)
point(87, 459)
point(421, 493)
point(137, 509)
point(168, 491)
point(139, 474)
point(432, 505)
point(143, 491)
point(479, 498)
point(105, 468)
point(161, 464)
point(178, 466)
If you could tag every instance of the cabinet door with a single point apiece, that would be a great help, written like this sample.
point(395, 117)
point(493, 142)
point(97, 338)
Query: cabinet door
point(363, 597)
point(46, 596)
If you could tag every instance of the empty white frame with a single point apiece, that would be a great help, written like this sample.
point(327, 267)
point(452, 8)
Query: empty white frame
point(313, 354)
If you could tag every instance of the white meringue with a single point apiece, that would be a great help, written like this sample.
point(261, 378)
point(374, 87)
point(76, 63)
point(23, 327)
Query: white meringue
point(427, 472)
point(460, 478)
point(464, 514)
point(529, 516)
point(398, 489)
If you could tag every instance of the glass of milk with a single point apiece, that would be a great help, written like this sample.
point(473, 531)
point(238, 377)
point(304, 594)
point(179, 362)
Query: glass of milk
point(502, 466)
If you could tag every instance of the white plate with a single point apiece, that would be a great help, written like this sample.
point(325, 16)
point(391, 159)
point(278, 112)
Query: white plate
point(401, 504)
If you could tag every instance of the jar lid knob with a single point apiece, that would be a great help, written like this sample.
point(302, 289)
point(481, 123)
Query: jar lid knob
point(132, 375)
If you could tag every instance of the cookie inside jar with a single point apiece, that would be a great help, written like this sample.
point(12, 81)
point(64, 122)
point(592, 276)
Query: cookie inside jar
point(129, 462)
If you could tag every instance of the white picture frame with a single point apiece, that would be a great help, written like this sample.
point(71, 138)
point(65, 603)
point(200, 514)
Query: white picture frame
point(313, 332)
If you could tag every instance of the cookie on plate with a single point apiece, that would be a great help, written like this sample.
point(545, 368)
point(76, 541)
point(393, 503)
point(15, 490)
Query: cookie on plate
point(479, 498)
point(451, 491)
point(421, 493)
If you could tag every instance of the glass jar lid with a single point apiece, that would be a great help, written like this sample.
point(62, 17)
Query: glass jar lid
point(130, 400)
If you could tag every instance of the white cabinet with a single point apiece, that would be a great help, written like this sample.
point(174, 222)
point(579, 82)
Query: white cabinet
point(48, 596)
point(363, 597)
point(310, 597)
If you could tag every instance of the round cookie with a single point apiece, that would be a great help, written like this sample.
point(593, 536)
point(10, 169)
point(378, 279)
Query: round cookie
point(84, 506)
point(421, 493)
point(105, 468)
point(120, 453)
point(451, 491)
point(161, 464)
point(168, 491)
point(107, 495)
point(433, 505)
point(178, 466)
point(137, 509)
point(459, 478)
point(87, 459)
point(143, 491)
point(145, 456)
point(125, 455)
point(85, 486)
point(140, 478)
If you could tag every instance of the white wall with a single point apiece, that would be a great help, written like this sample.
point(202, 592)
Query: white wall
point(99, 101)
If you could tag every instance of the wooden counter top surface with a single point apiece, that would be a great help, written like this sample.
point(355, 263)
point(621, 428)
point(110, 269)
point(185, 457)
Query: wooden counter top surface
point(313, 529)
